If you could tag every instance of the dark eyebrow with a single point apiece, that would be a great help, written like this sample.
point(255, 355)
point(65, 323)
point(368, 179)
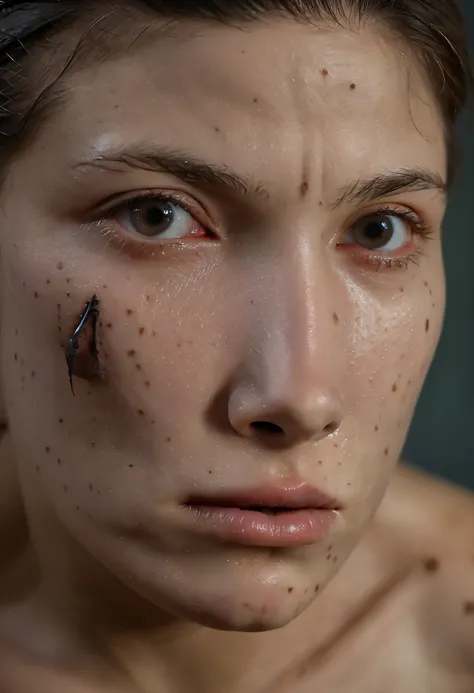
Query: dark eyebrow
point(183, 166)
point(391, 183)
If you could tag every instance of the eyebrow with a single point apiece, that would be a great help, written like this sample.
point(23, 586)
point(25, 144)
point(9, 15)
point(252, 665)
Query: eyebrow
point(195, 171)
point(390, 183)
point(188, 168)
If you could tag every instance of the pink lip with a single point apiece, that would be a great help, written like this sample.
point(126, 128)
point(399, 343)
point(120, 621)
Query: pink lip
point(305, 515)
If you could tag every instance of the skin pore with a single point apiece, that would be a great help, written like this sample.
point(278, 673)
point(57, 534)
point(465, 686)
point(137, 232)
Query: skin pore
point(264, 307)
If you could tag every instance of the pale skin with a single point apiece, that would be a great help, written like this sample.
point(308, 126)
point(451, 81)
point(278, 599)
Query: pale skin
point(273, 314)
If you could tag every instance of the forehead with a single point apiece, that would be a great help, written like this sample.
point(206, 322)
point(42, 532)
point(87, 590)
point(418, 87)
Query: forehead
point(264, 96)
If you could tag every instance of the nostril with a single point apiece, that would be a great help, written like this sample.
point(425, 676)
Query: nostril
point(267, 427)
point(330, 428)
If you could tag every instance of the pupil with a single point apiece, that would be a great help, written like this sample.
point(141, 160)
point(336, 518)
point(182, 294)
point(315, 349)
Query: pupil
point(152, 218)
point(156, 216)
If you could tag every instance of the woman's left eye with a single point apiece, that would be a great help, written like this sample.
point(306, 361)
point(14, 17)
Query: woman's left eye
point(157, 218)
point(380, 232)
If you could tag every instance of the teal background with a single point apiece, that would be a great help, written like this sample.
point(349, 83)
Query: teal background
point(441, 438)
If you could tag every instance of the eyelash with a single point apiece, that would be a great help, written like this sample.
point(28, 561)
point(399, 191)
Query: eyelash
point(417, 225)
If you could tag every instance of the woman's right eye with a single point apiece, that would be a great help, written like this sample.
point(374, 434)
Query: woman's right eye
point(157, 218)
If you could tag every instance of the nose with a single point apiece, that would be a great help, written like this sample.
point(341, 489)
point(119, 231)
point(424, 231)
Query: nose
point(290, 387)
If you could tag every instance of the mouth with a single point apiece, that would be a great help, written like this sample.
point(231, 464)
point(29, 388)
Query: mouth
point(267, 517)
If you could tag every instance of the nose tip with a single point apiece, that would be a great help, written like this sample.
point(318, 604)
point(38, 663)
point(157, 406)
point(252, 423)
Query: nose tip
point(280, 424)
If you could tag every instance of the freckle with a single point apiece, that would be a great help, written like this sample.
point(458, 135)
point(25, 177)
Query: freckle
point(138, 367)
point(141, 331)
point(252, 302)
point(59, 461)
point(109, 325)
point(168, 439)
point(304, 187)
point(92, 443)
point(37, 468)
point(324, 72)
point(255, 100)
point(104, 286)
point(60, 266)
point(431, 565)
point(216, 129)
point(131, 352)
point(65, 487)
point(48, 281)
point(335, 559)
point(376, 429)
point(469, 608)
point(210, 471)
point(394, 387)
point(129, 311)
point(386, 451)
point(36, 294)
point(147, 383)
point(153, 333)
point(47, 449)
point(316, 589)
point(353, 86)
point(68, 294)
point(179, 345)
point(130, 466)
point(427, 326)
point(336, 445)
point(33, 374)
point(402, 289)
point(68, 280)
point(141, 412)
point(16, 357)
point(328, 557)
point(290, 590)
point(148, 298)
point(61, 421)
point(320, 462)
point(426, 284)
point(335, 318)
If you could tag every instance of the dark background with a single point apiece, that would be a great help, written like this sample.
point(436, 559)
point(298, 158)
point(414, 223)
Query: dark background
point(442, 435)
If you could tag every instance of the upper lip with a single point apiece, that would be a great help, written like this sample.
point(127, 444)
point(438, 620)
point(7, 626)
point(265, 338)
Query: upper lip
point(269, 496)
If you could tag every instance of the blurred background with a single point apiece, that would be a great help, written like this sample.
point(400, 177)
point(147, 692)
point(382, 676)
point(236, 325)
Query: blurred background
point(442, 435)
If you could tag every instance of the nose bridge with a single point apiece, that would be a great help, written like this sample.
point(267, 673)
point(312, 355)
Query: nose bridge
point(294, 362)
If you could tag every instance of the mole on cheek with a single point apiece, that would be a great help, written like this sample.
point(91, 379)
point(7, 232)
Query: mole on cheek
point(141, 331)
point(324, 72)
point(60, 266)
point(304, 187)
point(386, 451)
point(335, 318)
point(394, 387)
point(129, 311)
point(352, 86)
point(427, 326)
point(290, 590)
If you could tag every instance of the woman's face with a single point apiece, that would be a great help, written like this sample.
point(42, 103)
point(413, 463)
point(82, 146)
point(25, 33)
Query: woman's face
point(259, 215)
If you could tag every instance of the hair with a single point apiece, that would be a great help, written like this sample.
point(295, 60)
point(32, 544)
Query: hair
point(433, 31)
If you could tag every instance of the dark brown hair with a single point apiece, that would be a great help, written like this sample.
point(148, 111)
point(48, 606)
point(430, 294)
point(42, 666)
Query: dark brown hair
point(433, 31)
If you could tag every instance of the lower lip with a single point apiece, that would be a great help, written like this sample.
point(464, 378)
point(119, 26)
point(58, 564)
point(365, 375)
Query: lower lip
point(301, 527)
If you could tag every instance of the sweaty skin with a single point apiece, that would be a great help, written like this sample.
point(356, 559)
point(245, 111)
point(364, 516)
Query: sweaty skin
point(259, 305)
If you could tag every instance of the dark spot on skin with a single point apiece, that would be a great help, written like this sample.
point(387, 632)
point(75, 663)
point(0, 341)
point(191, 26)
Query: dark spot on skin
point(426, 284)
point(147, 383)
point(68, 294)
point(252, 302)
point(394, 387)
point(386, 451)
point(328, 557)
point(141, 331)
point(352, 86)
point(61, 421)
point(304, 187)
point(316, 589)
point(129, 311)
point(402, 289)
point(138, 367)
point(255, 100)
point(92, 443)
point(168, 440)
point(77, 508)
point(16, 357)
point(210, 471)
point(290, 590)
point(336, 445)
point(324, 72)
point(431, 565)
point(60, 266)
point(376, 429)
point(427, 326)
point(179, 345)
point(33, 375)
point(335, 318)
point(36, 294)
point(48, 281)
point(131, 352)
point(109, 325)
point(141, 412)
point(320, 461)
point(91, 488)
point(216, 129)
point(468, 608)
point(68, 280)
point(65, 487)
point(130, 466)
point(153, 333)
point(59, 461)
point(47, 449)
point(335, 559)
point(37, 468)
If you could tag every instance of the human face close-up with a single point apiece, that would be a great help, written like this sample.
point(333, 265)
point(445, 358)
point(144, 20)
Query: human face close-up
point(262, 232)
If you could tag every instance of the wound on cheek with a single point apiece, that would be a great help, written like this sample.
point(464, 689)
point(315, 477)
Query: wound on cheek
point(82, 355)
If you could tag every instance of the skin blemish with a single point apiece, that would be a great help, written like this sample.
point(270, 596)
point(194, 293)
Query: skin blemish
point(60, 266)
point(352, 86)
point(131, 353)
point(335, 318)
point(290, 590)
point(33, 375)
point(376, 429)
point(427, 326)
point(320, 462)
point(386, 451)
point(138, 367)
point(468, 608)
point(91, 488)
point(61, 421)
point(324, 72)
point(15, 357)
point(37, 468)
point(36, 294)
point(68, 280)
point(168, 439)
point(153, 333)
point(141, 331)
point(394, 387)
point(316, 589)
point(82, 355)
point(48, 281)
point(47, 449)
point(59, 461)
point(65, 488)
point(431, 565)
point(304, 187)
point(147, 384)
point(129, 311)
point(255, 100)
point(141, 412)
